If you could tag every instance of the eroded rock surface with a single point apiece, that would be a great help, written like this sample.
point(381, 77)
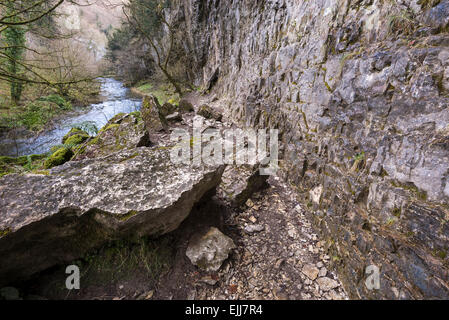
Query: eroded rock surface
point(359, 92)
point(54, 218)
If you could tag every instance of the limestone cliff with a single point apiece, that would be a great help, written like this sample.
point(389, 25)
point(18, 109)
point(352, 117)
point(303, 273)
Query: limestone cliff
point(359, 90)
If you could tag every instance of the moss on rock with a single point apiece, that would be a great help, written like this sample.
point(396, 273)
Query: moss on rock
point(77, 139)
point(74, 132)
point(61, 156)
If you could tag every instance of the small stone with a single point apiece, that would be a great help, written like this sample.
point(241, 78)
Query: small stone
point(174, 117)
point(249, 203)
point(310, 271)
point(253, 228)
point(252, 219)
point(209, 280)
point(323, 272)
point(327, 284)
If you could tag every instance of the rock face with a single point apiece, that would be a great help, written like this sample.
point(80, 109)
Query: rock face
point(209, 251)
point(55, 218)
point(359, 92)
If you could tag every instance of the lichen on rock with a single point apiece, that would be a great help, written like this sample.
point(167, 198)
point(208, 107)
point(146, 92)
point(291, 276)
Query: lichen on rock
point(82, 204)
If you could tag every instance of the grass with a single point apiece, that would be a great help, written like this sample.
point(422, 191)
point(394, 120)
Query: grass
point(164, 93)
point(401, 23)
point(141, 261)
point(25, 164)
point(123, 259)
point(35, 115)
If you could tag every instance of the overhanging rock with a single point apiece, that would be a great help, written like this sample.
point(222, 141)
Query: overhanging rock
point(51, 219)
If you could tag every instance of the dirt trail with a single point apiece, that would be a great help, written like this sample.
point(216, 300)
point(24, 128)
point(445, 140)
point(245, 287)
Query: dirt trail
point(268, 264)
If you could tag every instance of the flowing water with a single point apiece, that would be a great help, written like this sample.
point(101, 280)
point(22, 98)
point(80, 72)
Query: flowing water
point(116, 99)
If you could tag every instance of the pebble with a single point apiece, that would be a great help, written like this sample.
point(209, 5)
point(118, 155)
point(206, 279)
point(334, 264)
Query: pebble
point(252, 228)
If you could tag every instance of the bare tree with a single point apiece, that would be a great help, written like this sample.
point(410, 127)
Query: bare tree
point(148, 17)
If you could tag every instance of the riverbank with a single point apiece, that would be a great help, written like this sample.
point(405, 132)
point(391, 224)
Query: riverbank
point(39, 112)
point(115, 98)
point(163, 91)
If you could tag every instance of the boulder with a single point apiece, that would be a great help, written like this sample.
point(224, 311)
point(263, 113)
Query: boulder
point(239, 183)
point(152, 116)
point(210, 250)
point(57, 217)
point(185, 106)
point(124, 131)
point(209, 113)
point(167, 108)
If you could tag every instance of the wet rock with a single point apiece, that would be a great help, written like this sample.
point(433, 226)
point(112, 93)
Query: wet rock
point(209, 113)
point(152, 116)
point(124, 131)
point(55, 218)
point(210, 250)
point(185, 106)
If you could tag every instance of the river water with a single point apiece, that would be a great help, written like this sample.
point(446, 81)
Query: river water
point(116, 98)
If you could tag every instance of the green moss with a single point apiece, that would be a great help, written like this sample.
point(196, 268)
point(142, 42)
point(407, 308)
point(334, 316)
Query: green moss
point(94, 141)
point(129, 215)
point(59, 157)
point(4, 232)
point(117, 117)
point(76, 139)
point(21, 164)
point(420, 195)
point(109, 127)
point(72, 132)
point(41, 172)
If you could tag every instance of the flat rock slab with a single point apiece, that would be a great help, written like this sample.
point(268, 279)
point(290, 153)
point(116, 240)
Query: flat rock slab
point(55, 218)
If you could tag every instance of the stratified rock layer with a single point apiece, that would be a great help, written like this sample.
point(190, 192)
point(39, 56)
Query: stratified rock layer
point(55, 218)
point(359, 91)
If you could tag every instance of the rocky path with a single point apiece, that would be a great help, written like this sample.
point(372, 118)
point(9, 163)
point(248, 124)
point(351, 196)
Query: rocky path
point(277, 256)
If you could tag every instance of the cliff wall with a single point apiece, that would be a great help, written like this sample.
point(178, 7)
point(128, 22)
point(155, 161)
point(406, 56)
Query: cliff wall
point(359, 91)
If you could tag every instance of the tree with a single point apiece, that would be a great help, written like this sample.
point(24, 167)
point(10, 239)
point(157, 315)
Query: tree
point(15, 42)
point(17, 18)
point(148, 18)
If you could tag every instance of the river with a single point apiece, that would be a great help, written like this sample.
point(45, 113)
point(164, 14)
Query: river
point(116, 98)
